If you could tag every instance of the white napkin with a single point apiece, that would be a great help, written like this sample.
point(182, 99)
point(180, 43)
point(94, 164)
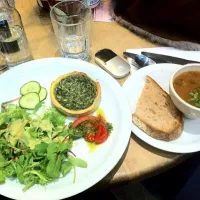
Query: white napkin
point(189, 55)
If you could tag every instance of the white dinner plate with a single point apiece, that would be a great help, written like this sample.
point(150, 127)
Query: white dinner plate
point(104, 158)
point(189, 141)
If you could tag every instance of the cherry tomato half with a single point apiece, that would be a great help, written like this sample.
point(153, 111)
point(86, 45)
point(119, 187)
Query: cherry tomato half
point(82, 119)
point(101, 135)
point(90, 137)
point(101, 119)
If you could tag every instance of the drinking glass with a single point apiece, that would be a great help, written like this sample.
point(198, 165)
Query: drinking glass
point(53, 2)
point(3, 63)
point(71, 21)
point(13, 41)
point(12, 3)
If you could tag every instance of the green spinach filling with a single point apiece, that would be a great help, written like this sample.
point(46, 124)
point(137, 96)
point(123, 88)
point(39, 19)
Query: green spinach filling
point(76, 92)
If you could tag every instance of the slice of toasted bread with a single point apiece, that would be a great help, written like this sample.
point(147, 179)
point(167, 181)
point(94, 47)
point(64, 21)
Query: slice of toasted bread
point(156, 114)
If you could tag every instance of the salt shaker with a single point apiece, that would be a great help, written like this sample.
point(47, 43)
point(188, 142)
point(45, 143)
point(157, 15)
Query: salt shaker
point(13, 40)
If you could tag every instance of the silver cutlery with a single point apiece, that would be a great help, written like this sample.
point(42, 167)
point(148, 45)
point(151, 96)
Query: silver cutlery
point(139, 60)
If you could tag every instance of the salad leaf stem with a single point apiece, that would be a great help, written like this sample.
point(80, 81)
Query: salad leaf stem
point(74, 173)
point(2, 177)
point(15, 148)
point(72, 153)
point(7, 102)
point(39, 174)
point(29, 185)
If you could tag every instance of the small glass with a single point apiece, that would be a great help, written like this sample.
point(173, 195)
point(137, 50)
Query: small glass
point(3, 63)
point(71, 21)
point(11, 3)
point(13, 40)
point(53, 2)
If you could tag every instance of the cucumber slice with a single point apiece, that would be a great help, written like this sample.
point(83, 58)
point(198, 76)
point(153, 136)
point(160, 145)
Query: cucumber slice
point(29, 100)
point(31, 86)
point(43, 94)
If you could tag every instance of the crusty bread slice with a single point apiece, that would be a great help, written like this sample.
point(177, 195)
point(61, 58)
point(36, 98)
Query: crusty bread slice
point(156, 114)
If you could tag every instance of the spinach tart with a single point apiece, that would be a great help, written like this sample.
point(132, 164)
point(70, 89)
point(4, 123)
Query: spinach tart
point(75, 94)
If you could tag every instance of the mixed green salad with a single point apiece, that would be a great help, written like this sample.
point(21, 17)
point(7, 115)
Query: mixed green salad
point(35, 148)
point(35, 142)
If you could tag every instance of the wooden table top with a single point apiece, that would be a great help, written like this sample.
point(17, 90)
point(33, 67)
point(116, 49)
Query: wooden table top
point(140, 160)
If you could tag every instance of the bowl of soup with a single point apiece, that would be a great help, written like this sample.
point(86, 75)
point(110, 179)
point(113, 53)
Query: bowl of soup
point(184, 89)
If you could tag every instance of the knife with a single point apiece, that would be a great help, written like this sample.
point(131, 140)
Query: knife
point(139, 60)
point(133, 56)
point(168, 59)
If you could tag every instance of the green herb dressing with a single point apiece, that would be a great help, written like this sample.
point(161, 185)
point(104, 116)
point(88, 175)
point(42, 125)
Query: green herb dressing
point(76, 92)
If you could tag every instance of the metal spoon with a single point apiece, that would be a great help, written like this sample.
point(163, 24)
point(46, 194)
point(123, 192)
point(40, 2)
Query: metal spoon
point(140, 59)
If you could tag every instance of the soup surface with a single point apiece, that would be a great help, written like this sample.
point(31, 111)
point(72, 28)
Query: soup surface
point(187, 86)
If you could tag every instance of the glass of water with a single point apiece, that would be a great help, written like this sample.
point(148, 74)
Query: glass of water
point(71, 21)
point(13, 41)
point(3, 63)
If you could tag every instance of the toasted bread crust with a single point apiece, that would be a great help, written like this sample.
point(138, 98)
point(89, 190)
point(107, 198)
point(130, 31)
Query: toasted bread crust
point(156, 114)
point(156, 133)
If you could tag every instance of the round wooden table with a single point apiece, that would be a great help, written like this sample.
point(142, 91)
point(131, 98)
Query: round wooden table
point(140, 161)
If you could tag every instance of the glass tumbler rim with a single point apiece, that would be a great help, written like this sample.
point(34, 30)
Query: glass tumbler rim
point(74, 24)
